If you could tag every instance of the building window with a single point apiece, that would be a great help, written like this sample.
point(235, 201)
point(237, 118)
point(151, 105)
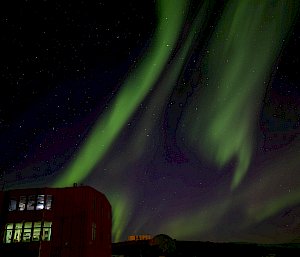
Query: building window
point(17, 232)
point(12, 204)
point(8, 233)
point(40, 202)
point(27, 232)
point(46, 235)
point(48, 202)
point(22, 203)
point(37, 228)
point(31, 203)
point(94, 231)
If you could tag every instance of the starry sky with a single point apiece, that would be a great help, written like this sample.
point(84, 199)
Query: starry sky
point(185, 114)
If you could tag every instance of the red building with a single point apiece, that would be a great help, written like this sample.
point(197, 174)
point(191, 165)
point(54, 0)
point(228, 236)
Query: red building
point(55, 222)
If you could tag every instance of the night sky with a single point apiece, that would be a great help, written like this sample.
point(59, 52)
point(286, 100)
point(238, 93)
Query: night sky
point(185, 114)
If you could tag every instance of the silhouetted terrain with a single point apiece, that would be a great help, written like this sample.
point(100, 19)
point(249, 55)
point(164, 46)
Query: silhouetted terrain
point(196, 248)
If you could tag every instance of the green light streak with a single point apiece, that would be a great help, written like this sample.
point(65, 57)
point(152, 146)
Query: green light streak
point(139, 140)
point(240, 57)
point(273, 206)
point(196, 223)
point(134, 90)
point(168, 82)
point(132, 93)
point(277, 188)
point(120, 213)
point(242, 52)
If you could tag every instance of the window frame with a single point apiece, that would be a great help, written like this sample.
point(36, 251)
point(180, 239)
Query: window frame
point(19, 232)
point(16, 205)
point(22, 202)
point(40, 202)
point(38, 229)
point(48, 202)
point(94, 231)
point(11, 230)
point(33, 202)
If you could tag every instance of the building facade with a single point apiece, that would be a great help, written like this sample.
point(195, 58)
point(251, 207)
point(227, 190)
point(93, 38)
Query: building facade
point(55, 222)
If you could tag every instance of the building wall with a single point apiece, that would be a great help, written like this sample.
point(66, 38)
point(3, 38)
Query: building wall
point(1, 200)
point(81, 222)
point(2, 217)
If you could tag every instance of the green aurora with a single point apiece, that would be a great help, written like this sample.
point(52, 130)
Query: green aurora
point(238, 63)
point(138, 84)
point(132, 93)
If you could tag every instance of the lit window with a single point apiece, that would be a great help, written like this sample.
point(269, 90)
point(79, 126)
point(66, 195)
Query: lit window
point(31, 202)
point(22, 203)
point(17, 232)
point(12, 204)
point(46, 235)
point(40, 202)
point(8, 233)
point(32, 231)
point(27, 232)
point(94, 231)
point(37, 228)
point(48, 202)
